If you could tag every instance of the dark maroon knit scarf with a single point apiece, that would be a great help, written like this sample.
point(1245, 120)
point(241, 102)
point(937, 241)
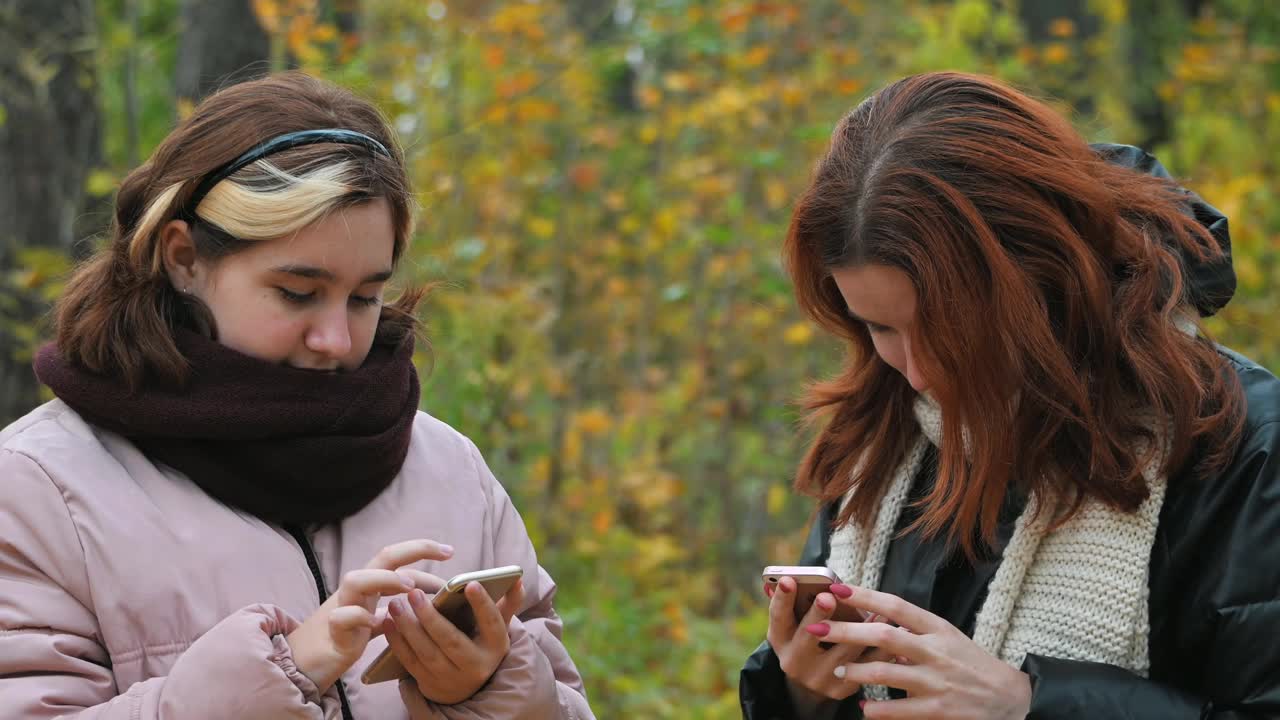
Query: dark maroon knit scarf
point(289, 446)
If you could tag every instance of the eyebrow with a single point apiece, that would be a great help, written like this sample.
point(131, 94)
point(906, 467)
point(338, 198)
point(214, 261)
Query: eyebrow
point(315, 273)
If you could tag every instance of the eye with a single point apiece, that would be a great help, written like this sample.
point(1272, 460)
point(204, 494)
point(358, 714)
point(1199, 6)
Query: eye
point(363, 301)
point(875, 329)
point(295, 298)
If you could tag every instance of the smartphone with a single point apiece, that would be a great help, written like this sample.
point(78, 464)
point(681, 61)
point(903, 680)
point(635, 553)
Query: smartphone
point(810, 581)
point(452, 603)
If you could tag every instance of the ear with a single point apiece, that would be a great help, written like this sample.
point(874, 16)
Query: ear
point(178, 251)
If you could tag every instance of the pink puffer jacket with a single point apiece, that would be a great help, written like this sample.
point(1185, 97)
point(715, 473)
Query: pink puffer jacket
point(127, 593)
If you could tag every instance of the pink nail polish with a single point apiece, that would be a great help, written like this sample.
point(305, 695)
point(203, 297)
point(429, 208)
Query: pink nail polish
point(818, 629)
point(394, 609)
point(841, 590)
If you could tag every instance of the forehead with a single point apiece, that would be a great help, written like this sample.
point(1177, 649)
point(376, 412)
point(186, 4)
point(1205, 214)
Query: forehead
point(877, 293)
point(352, 242)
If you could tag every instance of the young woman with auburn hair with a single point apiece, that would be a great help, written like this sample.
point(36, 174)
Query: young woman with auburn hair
point(1050, 492)
point(234, 503)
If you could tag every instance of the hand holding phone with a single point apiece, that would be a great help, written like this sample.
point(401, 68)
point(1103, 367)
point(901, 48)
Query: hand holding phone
point(796, 629)
point(452, 603)
point(811, 580)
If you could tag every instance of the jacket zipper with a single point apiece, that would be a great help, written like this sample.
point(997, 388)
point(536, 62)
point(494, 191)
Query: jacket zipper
point(323, 593)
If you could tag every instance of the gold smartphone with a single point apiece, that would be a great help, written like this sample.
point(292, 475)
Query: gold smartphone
point(451, 602)
point(810, 581)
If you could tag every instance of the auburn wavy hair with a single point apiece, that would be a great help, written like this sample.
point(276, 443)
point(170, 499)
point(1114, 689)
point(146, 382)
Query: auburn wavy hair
point(1050, 292)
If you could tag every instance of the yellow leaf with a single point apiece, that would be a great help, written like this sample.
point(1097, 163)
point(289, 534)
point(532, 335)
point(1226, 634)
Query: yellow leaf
point(542, 227)
point(677, 628)
point(100, 182)
point(1197, 54)
point(572, 451)
point(496, 113)
point(776, 500)
point(678, 81)
point(515, 18)
point(798, 334)
point(1056, 53)
point(594, 421)
point(185, 106)
point(268, 12)
point(757, 56)
point(648, 133)
point(540, 471)
point(324, 32)
point(775, 193)
point(528, 108)
point(665, 222)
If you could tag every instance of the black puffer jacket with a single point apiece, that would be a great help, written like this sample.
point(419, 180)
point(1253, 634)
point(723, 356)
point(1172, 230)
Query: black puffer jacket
point(1214, 575)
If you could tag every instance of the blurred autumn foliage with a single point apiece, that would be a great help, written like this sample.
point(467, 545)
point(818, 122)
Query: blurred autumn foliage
point(604, 186)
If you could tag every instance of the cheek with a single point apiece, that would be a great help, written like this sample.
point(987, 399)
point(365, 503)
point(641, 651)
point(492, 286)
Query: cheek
point(364, 324)
point(254, 323)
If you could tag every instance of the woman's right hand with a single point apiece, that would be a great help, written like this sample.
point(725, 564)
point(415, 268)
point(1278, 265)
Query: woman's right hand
point(809, 667)
point(335, 636)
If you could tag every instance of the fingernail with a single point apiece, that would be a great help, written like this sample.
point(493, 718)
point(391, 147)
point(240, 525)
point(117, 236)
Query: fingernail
point(394, 608)
point(840, 671)
point(818, 629)
point(841, 590)
point(446, 549)
point(417, 598)
point(826, 603)
point(783, 588)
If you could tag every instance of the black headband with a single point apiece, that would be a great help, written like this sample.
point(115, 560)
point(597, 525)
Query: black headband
point(280, 144)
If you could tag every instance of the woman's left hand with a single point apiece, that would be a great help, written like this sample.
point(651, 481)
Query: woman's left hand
point(448, 666)
point(944, 672)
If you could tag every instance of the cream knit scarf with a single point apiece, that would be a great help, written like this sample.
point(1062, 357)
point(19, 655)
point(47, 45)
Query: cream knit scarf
point(1077, 593)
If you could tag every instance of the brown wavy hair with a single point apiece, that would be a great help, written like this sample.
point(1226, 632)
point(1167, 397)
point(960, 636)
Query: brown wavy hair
point(1049, 296)
point(119, 310)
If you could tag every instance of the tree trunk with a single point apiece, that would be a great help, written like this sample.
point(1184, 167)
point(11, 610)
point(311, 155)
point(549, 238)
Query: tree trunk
point(49, 140)
point(222, 43)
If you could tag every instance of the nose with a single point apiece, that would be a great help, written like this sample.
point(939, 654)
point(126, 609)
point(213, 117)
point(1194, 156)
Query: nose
point(912, 370)
point(330, 334)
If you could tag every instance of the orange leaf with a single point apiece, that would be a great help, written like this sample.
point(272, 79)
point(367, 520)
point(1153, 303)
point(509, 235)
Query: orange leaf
point(494, 56)
point(584, 175)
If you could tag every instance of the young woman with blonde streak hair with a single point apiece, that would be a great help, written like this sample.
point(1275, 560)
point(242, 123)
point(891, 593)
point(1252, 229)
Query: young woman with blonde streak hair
point(234, 498)
point(1056, 497)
